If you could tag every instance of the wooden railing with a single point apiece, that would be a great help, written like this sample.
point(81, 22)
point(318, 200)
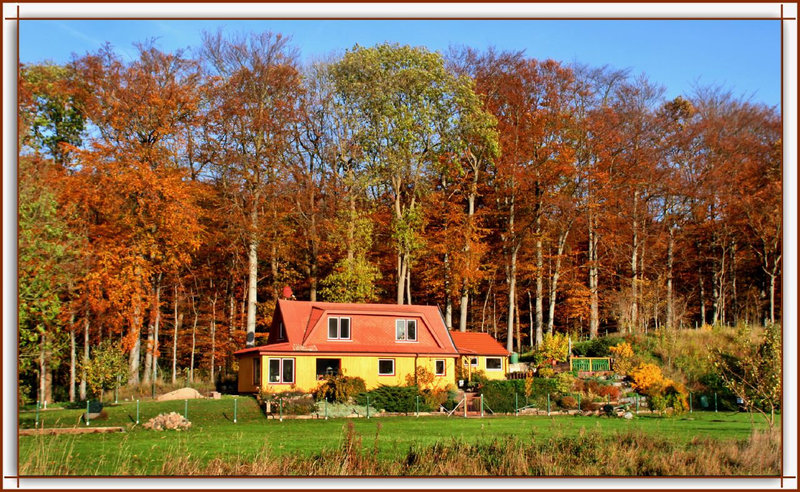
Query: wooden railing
point(590, 364)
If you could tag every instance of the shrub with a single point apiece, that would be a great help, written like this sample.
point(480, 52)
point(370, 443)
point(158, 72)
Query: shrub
point(302, 405)
point(568, 402)
point(648, 379)
point(624, 359)
point(546, 372)
point(599, 347)
point(554, 346)
point(610, 391)
point(499, 395)
point(340, 388)
point(394, 398)
point(564, 382)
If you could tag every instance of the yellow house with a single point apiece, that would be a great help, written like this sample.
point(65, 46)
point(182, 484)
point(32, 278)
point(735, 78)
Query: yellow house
point(481, 352)
point(380, 343)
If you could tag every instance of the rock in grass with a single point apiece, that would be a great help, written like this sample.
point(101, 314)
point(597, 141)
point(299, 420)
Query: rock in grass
point(168, 421)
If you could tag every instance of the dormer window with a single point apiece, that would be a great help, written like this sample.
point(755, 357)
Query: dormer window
point(280, 330)
point(406, 330)
point(338, 328)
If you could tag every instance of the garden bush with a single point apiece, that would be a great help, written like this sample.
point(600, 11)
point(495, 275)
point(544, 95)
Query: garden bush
point(499, 395)
point(395, 399)
point(568, 402)
point(599, 347)
point(340, 388)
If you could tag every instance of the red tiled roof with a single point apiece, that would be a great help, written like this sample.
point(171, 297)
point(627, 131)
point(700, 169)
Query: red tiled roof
point(372, 329)
point(477, 344)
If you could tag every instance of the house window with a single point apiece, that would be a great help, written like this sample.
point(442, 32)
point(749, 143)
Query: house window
point(257, 371)
point(338, 328)
point(405, 330)
point(280, 330)
point(440, 367)
point(281, 371)
point(328, 367)
point(473, 362)
point(385, 367)
point(494, 364)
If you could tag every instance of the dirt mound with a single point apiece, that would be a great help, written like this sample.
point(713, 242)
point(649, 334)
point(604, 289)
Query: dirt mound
point(180, 394)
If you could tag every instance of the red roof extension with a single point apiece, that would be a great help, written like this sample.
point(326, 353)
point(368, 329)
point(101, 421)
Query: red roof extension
point(372, 329)
point(473, 343)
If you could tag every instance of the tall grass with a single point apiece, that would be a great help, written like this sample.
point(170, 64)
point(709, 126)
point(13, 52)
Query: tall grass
point(587, 454)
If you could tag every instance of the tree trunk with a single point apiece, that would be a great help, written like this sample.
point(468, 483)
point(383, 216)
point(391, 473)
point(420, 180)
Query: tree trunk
point(516, 319)
point(702, 297)
point(73, 357)
point(252, 269)
point(194, 338)
point(670, 256)
point(133, 368)
point(594, 320)
point(485, 303)
point(408, 280)
point(213, 337)
point(562, 241)
point(539, 283)
point(45, 390)
point(772, 298)
point(155, 329)
point(512, 293)
point(448, 312)
point(177, 321)
point(473, 192)
point(401, 278)
point(634, 267)
point(82, 387)
point(537, 338)
point(494, 315)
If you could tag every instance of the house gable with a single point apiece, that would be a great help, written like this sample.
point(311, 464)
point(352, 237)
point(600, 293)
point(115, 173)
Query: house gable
point(372, 328)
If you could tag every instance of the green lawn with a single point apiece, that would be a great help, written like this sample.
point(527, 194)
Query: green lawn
point(213, 433)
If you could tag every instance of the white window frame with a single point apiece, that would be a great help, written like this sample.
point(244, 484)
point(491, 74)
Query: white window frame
point(280, 370)
point(405, 337)
point(339, 328)
point(394, 367)
point(494, 369)
point(444, 367)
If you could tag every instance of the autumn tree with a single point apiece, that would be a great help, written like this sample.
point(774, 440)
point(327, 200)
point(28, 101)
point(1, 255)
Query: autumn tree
point(255, 84)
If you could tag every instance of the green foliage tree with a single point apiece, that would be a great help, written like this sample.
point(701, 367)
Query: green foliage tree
point(353, 277)
point(554, 347)
point(409, 105)
point(53, 109)
point(752, 371)
point(106, 368)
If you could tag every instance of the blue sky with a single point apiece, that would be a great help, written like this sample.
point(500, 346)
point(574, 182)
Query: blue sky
point(742, 56)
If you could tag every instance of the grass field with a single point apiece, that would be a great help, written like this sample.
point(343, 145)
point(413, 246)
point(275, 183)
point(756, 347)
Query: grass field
point(215, 438)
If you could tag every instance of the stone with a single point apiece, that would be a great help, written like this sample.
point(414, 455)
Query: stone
point(627, 416)
point(216, 395)
point(180, 394)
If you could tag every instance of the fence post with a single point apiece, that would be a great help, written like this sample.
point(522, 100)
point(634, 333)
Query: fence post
point(715, 402)
point(326, 408)
point(280, 406)
point(137, 412)
point(37, 414)
point(637, 403)
point(186, 409)
point(481, 406)
point(87, 412)
point(690, 402)
point(579, 401)
point(465, 405)
point(367, 406)
point(516, 404)
point(548, 404)
point(417, 398)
